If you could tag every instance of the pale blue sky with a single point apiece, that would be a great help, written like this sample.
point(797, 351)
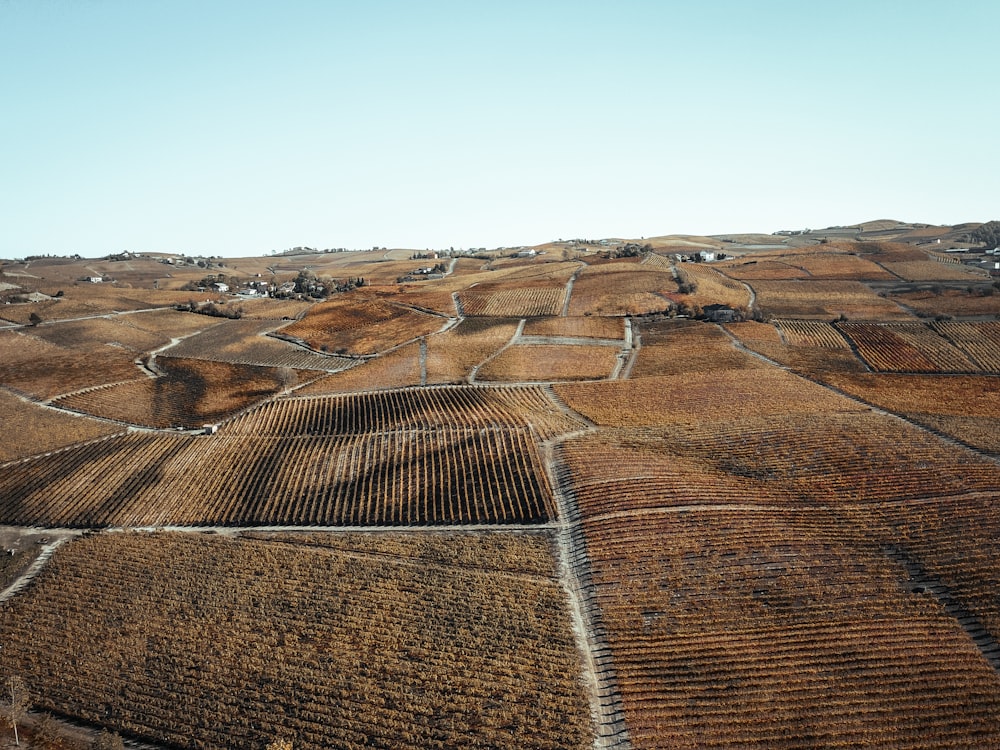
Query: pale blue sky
point(242, 127)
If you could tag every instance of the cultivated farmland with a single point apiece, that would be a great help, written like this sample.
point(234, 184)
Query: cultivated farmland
point(531, 500)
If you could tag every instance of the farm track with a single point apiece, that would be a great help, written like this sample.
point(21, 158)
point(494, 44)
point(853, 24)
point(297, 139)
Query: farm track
point(576, 579)
point(39, 562)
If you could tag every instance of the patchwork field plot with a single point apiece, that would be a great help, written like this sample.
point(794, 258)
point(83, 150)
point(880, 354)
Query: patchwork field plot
point(246, 342)
point(771, 461)
point(300, 462)
point(545, 362)
point(979, 341)
point(966, 407)
point(931, 270)
point(452, 355)
point(273, 309)
point(614, 289)
point(791, 612)
point(201, 640)
point(41, 369)
point(905, 347)
point(190, 393)
point(503, 301)
point(948, 301)
point(399, 368)
point(670, 347)
point(712, 287)
point(824, 299)
point(584, 327)
point(362, 326)
point(949, 546)
point(413, 409)
point(447, 476)
point(30, 429)
point(814, 333)
point(729, 395)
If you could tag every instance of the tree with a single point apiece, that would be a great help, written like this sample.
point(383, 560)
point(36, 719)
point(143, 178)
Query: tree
point(108, 741)
point(45, 735)
point(34, 318)
point(988, 235)
point(18, 706)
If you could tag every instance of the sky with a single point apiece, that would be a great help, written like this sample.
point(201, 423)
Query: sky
point(238, 127)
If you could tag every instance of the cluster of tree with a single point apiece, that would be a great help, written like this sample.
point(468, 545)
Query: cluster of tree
point(206, 281)
point(45, 734)
point(308, 284)
point(628, 250)
point(210, 308)
point(988, 235)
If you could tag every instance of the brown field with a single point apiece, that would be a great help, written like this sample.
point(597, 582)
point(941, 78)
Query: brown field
point(475, 407)
point(190, 393)
point(811, 333)
point(42, 370)
point(905, 347)
point(672, 347)
point(362, 326)
point(373, 645)
point(980, 341)
point(824, 299)
point(757, 535)
point(272, 309)
point(966, 407)
point(583, 327)
point(99, 300)
point(764, 269)
point(436, 300)
point(545, 362)
point(953, 302)
point(798, 614)
point(505, 302)
point(712, 287)
point(30, 429)
point(399, 368)
point(931, 270)
point(684, 400)
point(250, 342)
point(621, 289)
point(453, 355)
point(386, 458)
point(399, 478)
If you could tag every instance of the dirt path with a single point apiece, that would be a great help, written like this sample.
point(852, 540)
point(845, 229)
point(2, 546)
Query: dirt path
point(575, 576)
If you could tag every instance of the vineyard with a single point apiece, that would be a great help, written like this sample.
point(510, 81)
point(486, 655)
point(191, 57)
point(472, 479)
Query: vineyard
point(979, 341)
point(200, 641)
point(825, 300)
point(361, 326)
point(246, 342)
point(514, 505)
point(815, 333)
point(549, 362)
point(189, 393)
point(452, 355)
point(500, 301)
point(43, 370)
point(373, 459)
point(590, 328)
point(620, 288)
point(798, 614)
point(399, 368)
point(965, 407)
point(672, 347)
point(30, 429)
point(905, 347)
